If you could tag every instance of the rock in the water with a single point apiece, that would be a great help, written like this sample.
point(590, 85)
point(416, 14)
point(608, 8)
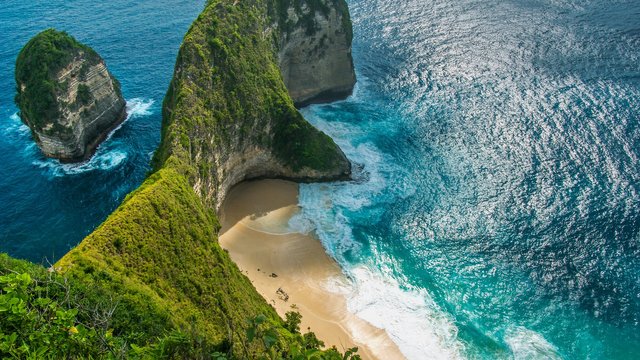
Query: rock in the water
point(315, 50)
point(66, 96)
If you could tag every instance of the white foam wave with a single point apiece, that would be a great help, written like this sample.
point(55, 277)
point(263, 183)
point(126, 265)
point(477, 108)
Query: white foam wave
point(16, 131)
point(323, 206)
point(101, 161)
point(361, 83)
point(17, 126)
point(409, 315)
point(526, 344)
point(299, 223)
point(137, 107)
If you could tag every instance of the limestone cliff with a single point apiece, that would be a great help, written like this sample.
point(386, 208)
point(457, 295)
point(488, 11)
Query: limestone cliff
point(66, 96)
point(314, 50)
point(227, 112)
point(227, 117)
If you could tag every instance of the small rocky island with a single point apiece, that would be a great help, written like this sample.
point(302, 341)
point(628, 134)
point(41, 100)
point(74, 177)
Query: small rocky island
point(66, 96)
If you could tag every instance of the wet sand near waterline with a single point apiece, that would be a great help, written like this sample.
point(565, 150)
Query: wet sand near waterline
point(255, 231)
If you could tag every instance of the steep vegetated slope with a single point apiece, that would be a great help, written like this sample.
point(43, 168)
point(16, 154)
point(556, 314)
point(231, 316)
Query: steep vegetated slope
point(227, 118)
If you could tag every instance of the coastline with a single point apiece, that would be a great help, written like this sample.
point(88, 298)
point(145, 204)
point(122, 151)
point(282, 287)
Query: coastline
point(255, 231)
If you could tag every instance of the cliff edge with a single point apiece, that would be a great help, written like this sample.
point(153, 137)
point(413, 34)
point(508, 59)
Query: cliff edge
point(66, 96)
point(227, 117)
point(314, 50)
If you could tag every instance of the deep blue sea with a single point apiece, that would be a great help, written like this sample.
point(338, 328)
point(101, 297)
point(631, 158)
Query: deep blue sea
point(47, 208)
point(497, 211)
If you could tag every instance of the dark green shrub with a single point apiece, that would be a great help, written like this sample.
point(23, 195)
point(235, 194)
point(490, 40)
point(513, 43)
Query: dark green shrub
point(83, 97)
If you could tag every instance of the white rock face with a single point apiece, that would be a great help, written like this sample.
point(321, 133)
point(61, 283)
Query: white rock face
point(315, 53)
point(90, 105)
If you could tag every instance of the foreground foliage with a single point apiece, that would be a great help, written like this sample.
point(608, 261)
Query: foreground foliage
point(46, 315)
point(152, 281)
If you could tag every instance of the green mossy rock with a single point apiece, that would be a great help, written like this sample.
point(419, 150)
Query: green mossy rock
point(227, 117)
point(66, 96)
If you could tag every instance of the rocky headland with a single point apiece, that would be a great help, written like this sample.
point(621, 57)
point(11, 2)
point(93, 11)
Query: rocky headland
point(314, 50)
point(228, 111)
point(155, 266)
point(66, 96)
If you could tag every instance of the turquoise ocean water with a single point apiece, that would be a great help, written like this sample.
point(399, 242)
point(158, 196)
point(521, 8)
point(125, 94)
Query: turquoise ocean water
point(496, 207)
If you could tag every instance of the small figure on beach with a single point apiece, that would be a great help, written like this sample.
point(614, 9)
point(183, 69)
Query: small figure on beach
point(282, 295)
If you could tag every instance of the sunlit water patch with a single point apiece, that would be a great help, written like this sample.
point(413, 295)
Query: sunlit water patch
point(499, 144)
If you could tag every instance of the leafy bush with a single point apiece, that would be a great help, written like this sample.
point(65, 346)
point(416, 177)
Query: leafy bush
point(83, 97)
point(271, 347)
point(32, 325)
point(292, 321)
point(44, 315)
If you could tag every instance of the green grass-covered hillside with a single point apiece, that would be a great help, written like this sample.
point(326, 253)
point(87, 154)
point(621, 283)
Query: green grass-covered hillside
point(152, 281)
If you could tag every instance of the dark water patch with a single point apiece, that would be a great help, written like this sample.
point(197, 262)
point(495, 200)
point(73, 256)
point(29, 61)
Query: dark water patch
point(47, 208)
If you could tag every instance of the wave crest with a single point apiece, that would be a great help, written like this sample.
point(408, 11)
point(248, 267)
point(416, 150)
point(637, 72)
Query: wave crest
point(526, 344)
point(138, 107)
point(109, 155)
point(104, 161)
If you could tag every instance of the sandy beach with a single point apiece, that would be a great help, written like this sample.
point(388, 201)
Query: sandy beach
point(293, 269)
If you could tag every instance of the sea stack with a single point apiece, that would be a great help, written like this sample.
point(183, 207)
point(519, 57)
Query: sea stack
point(66, 96)
point(314, 50)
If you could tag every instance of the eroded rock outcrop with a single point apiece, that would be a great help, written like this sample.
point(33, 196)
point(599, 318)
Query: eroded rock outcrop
point(314, 50)
point(228, 112)
point(227, 117)
point(66, 96)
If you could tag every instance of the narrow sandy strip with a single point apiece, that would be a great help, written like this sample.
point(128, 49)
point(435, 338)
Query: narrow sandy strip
point(255, 232)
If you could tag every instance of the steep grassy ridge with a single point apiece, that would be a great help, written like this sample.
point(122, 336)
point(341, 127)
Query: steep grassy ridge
point(227, 117)
point(158, 252)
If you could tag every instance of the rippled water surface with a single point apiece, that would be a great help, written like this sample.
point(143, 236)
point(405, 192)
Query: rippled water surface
point(496, 211)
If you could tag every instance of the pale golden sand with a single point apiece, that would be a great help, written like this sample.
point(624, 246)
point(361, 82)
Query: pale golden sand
point(255, 232)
